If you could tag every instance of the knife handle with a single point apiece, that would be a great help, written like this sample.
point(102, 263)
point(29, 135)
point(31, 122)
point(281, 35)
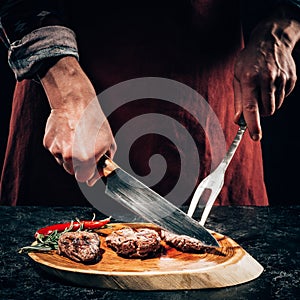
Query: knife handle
point(107, 165)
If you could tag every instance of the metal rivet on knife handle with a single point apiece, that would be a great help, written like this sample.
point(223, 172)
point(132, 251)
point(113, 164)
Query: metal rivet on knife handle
point(107, 165)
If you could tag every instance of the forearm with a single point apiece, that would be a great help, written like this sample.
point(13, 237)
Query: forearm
point(67, 86)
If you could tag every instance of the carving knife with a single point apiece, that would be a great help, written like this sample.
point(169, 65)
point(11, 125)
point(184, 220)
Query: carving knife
point(136, 196)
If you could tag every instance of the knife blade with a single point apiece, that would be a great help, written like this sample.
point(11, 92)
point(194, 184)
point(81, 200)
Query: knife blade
point(139, 198)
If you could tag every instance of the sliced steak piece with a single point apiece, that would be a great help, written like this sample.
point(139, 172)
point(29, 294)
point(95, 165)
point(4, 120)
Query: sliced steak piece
point(134, 243)
point(80, 246)
point(182, 243)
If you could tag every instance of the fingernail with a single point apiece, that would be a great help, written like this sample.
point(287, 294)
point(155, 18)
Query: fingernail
point(236, 117)
point(91, 182)
point(256, 137)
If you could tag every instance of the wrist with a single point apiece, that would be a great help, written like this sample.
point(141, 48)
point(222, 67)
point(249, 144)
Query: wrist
point(67, 86)
point(290, 10)
point(283, 32)
point(285, 24)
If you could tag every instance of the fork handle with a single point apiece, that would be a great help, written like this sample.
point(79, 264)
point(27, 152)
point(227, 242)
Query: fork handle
point(224, 164)
point(237, 139)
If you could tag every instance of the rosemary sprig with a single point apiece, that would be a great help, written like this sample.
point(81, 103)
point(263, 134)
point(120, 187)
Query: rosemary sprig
point(47, 243)
point(47, 237)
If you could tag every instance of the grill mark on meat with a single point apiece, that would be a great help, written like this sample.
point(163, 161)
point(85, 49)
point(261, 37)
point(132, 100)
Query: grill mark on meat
point(80, 246)
point(134, 243)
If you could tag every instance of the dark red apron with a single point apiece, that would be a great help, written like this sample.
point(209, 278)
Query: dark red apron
point(194, 45)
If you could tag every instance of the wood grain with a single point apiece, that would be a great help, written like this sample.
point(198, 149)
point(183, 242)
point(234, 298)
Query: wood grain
point(172, 270)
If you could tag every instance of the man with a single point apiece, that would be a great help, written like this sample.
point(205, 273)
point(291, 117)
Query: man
point(197, 43)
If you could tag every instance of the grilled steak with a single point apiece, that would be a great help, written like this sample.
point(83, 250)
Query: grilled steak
point(80, 246)
point(182, 243)
point(134, 243)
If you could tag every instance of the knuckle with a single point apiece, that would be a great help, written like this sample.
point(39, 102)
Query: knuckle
point(67, 154)
point(293, 77)
point(114, 147)
point(251, 108)
point(55, 151)
point(268, 75)
point(47, 142)
point(249, 76)
point(283, 78)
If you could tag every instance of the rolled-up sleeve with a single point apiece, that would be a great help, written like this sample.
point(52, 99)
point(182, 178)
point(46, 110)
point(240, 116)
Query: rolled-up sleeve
point(34, 32)
point(26, 56)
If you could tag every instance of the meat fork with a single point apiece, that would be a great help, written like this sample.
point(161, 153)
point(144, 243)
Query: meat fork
point(215, 180)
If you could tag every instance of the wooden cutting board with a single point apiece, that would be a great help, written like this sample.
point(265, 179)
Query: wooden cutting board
point(173, 270)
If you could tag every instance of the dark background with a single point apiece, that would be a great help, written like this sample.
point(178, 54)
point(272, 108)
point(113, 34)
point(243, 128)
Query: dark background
point(281, 148)
point(280, 137)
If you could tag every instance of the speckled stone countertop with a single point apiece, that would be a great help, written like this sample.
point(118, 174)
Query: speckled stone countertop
point(269, 234)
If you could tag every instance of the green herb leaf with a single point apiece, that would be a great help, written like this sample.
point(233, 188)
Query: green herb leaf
point(50, 242)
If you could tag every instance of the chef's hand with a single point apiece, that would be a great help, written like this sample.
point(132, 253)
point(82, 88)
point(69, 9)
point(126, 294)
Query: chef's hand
point(77, 132)
point(265, 72)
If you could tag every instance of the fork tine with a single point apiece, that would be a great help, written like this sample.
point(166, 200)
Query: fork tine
point(213, 182)
point(216, 182)
point(208, 206)
point(197, 195)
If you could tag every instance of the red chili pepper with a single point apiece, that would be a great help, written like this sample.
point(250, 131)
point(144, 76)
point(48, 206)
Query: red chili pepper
point(76, 225)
